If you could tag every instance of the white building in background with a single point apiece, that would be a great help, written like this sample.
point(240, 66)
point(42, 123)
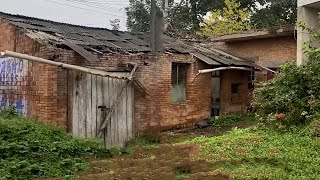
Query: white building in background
point(308, 12)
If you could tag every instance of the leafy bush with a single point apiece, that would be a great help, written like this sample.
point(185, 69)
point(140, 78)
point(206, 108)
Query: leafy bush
point(228, 120)
point(29, 149)
point(295, 93)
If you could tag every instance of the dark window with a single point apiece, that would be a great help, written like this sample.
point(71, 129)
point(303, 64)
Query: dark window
point(178, 82)
point(216, 74)
point(235, 92)
point(251, 79)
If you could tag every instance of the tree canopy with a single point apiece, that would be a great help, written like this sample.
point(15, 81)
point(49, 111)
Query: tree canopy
point(186, 16)
point(276, 13)
point(230, 19)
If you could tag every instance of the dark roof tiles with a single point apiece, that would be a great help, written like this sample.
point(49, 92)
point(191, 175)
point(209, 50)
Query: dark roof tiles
point(81, 39)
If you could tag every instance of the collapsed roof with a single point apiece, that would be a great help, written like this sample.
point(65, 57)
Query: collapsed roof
point(86, 40)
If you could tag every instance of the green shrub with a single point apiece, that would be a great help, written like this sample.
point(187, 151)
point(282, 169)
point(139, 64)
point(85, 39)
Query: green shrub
point(295, 93)
point(228, 120)
point(29, 149)
point(182, 173)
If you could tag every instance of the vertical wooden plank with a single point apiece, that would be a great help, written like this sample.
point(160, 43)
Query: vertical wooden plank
point(107, 95)
point(112, 98)
point(75, 105)
point(99, 103)
point(123, 113)
point(94, 106)
point(88, 102)
point(82, 94)
point(129, 112)
point(70, 100)
point(119, 116)
point(117, 89)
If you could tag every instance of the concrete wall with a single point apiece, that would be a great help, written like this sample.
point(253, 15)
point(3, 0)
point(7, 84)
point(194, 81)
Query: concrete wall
point(306, 2)
point(308, 15)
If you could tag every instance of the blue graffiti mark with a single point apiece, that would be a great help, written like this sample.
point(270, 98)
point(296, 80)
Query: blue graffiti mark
point(14, 77)
point(2, 72)
point(4, 101)
point(10, 70)
point(19, 106)
point(20, 65)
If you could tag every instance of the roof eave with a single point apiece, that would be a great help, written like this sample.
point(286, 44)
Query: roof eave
point(255, 35)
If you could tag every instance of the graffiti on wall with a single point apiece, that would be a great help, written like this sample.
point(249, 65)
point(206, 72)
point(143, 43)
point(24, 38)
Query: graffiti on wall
point(13, 76)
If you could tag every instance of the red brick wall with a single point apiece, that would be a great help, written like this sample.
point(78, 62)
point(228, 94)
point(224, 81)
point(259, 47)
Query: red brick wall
point(39, 87)
point(227, 105)
point(46, 88)
point(263, 50)
point(156, 111)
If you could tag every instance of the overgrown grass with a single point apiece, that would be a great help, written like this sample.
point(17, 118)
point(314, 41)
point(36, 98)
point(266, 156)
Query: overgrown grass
point(29, 149)
point(182, 173)
point(257, 153)
point(145, 141)
point(228, 120)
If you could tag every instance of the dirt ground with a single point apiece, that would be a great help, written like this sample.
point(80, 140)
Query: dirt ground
point(165, 160)
point(209, 131)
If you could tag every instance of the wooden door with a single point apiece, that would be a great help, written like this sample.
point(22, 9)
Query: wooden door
point(90, 100)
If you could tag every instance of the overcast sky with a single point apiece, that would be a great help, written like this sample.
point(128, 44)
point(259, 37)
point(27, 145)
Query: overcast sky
point(96, 13)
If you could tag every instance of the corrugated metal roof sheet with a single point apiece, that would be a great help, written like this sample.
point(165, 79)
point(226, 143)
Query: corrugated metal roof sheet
point(205, 59)
point(83, 39)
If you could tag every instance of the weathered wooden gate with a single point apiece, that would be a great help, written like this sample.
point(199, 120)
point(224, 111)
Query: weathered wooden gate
point(91, 99)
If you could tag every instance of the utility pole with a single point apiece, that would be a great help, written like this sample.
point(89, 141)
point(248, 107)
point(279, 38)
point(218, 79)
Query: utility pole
point(153, 27)
point(165, 14)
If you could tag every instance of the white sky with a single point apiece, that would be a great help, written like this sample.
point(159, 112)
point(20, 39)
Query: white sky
point(97, 13)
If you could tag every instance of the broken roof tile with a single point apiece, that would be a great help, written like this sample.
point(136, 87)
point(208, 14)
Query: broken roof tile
point(80, 38)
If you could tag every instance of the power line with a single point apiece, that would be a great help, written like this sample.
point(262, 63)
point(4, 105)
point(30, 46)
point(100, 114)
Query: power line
point(85, 9)
point(104, 2)
point(97, 3)
point(96, 6)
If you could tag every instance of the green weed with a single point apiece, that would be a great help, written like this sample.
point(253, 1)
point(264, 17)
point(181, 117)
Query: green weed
point(29, 149)
point(262, 154)
point(182, 173)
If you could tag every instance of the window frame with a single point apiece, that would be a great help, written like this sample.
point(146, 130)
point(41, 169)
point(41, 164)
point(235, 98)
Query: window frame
point(179, 80)
point(235, 96)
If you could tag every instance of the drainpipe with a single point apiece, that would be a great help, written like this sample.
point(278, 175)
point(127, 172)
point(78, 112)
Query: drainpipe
point(219, 69)
point(222, 68)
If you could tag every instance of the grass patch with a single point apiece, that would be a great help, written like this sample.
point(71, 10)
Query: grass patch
point(229, 119)
point(262, 154)
point(145, 141)
point(29, 149)
point(182, 173)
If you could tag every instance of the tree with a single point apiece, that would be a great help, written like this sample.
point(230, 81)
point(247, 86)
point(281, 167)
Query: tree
point(138, 15)
point(230, 19)
point(184, 17)
point(276, 13)
point(115, 24)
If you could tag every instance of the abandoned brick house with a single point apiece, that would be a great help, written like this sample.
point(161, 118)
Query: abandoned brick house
point(170, 92)
point(266, 47)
